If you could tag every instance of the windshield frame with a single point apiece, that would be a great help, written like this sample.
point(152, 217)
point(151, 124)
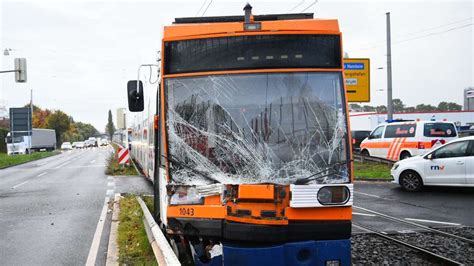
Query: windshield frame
point(343, 107)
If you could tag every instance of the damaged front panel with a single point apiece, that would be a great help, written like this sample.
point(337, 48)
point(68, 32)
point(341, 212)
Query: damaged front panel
point(257, 128)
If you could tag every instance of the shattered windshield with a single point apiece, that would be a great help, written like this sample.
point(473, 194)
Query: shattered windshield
point(256, 128)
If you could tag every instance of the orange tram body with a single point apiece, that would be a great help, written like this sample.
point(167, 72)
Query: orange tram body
point(248, 133)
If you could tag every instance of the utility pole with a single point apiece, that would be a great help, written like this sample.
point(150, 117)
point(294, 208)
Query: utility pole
point(389, 71)
point(31, 121)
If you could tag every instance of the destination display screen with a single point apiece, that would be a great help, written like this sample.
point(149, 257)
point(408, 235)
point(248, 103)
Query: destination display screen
point(253, 52)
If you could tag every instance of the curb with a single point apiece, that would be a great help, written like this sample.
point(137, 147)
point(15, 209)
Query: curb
point(112, 250)
point(164, 254)
point(8, 166)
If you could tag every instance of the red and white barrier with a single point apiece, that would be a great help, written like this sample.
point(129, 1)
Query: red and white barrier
point(123, 155)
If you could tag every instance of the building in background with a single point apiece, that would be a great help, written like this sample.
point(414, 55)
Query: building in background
point(469, 98)
point(121, 121)
point(370, 120)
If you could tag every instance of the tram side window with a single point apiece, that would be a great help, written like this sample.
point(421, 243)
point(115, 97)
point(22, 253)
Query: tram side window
point(377, 133)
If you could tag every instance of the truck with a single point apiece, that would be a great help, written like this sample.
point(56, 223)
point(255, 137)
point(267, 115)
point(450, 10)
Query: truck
point(24, 143)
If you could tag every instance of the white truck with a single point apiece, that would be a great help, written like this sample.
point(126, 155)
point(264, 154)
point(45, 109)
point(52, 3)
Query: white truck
point(40, 140)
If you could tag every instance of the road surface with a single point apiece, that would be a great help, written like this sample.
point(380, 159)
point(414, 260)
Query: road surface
point(49, 209)
point(434, 206)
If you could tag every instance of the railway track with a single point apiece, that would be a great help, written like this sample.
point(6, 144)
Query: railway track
point(433, 256)
point(442, 247)
point(427, 228)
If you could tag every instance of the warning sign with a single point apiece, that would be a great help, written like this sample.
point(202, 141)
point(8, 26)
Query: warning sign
point(357, 77)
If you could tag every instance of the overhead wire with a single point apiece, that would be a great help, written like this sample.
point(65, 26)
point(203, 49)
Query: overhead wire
point(204, 3)
point(206, 8)
point(382, 43)
point(297, 5)
point(312, 4)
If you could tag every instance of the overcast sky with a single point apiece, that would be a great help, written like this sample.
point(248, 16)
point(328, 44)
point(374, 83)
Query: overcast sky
point(81, 53)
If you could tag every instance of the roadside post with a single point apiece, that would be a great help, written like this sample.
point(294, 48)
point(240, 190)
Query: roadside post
point(123, 156)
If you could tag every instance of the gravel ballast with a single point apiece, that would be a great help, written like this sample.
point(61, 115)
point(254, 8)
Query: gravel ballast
point(372, 249)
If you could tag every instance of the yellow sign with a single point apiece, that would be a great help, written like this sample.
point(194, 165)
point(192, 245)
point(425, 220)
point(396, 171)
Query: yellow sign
point(357, 72)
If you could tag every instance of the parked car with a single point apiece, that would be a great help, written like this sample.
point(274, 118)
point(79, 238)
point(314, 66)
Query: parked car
point(401, 140)
point(451, 164)
point(357, 137)
point(66, 146)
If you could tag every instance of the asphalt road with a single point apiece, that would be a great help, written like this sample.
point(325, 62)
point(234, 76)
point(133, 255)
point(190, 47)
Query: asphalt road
point(434, 206)
point(49, 209)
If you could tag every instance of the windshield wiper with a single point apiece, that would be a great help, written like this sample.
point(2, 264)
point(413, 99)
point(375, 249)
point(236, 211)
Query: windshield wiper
point(330, 168)
point(179, 163)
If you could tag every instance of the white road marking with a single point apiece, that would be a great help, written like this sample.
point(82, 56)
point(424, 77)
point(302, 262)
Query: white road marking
point(430, 221)
point(111, 184)
point(21, 184)
point(370, 195)
point(93, 161)
point(97, 235)
point(109, 178)
point(109, 192)
point(363, 214)
point(42, 174)
point(59, 166)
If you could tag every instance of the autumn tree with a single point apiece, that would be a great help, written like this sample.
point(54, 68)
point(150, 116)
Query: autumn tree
point(59, 121)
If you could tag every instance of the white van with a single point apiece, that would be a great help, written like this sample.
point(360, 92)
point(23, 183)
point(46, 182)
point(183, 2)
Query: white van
point(400, 140)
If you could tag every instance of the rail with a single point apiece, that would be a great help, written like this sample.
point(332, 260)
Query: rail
point(443, 260)
point(362, 158)
point(433, 230)
point(164, 254)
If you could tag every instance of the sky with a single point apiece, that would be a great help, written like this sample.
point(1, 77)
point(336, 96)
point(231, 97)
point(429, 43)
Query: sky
point(81, 54)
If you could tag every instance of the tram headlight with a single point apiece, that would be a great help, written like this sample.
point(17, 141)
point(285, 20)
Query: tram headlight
point(333, 195)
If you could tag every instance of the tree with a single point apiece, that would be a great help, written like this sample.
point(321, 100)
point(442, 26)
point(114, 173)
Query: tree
point(355, 107)
point(368, 108)
point(110, 128)
point(425, 108)
point(449, 106)
point(381, 109)
point(60, 122)
point(85, 131)
point(398, 106)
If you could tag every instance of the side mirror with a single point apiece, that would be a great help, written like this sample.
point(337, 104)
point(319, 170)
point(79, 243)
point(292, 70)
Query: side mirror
point(135, 96)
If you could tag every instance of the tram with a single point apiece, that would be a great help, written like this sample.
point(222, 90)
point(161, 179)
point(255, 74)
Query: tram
point(245, 137)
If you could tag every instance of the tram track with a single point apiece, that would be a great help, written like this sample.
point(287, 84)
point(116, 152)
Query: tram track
point(427, 228)
point(444, 247)
point(425, 252)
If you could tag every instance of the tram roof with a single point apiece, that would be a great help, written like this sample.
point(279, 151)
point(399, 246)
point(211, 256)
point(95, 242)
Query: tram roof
point(198, 27)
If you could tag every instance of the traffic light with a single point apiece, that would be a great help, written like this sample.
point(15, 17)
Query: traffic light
point(20, 67)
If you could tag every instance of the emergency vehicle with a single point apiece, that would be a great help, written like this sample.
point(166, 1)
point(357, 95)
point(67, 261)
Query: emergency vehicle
point(401, 140)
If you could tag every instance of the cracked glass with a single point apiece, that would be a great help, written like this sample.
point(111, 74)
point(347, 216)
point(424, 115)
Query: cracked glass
point(257, 128)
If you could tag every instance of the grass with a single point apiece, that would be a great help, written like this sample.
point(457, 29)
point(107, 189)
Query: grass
point(371, 170)
point(134, 248)
point(7, 161)
point(114, 168)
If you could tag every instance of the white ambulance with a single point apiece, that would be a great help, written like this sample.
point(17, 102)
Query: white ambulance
point(400, 140)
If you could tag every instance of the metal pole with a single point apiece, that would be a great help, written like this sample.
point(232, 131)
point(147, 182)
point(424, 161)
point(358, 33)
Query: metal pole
point(389, 71)
point(31, 121)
